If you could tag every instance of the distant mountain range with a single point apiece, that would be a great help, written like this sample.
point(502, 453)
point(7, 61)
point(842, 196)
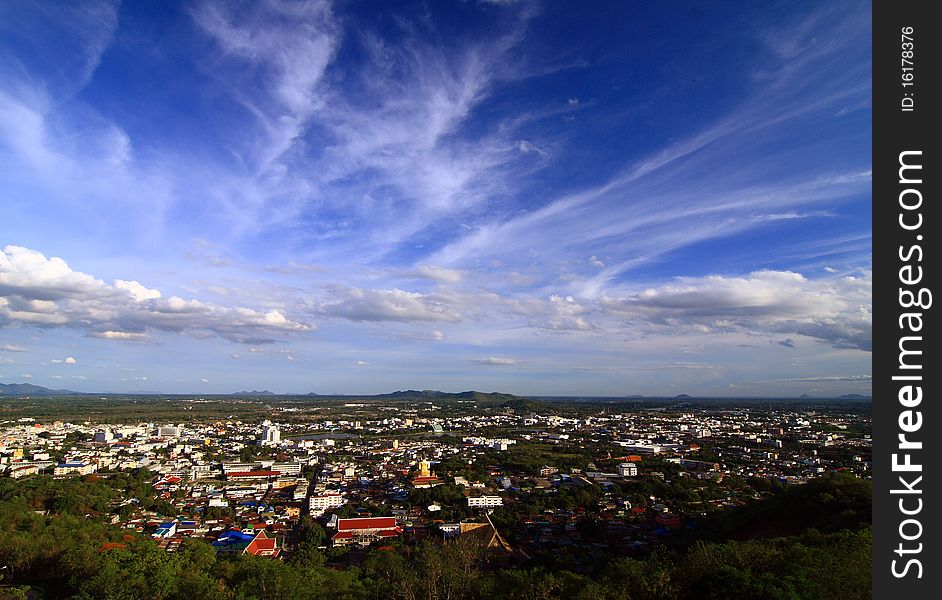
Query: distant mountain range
point(508, 400)
point(437, 395)
point(28, 389)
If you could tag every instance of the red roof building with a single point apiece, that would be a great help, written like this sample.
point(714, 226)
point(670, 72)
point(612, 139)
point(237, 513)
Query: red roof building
point(262, 545)
point(365, 531)
point(426, 482)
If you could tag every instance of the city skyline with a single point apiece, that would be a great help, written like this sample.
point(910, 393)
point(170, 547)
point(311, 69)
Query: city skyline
point(503, 196)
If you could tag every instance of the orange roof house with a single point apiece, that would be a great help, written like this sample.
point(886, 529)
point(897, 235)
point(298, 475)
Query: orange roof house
point(262, 545)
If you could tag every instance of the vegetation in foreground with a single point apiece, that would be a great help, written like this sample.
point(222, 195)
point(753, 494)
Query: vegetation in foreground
point(58, 544)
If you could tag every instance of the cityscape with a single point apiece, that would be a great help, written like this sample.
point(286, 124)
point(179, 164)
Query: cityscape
point(526, 299)
point(556, 482)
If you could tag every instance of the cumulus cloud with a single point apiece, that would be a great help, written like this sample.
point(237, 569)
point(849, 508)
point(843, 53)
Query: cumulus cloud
point(119, 335)
point(386, 305)
point(46, 292)
point(565, 314)
point(496, 361)
point(12, 348)
point(837, 311)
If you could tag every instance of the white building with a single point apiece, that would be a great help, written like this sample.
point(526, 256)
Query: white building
point(75, 467)
point(627, 470)
point(104, 435)
point(169, 431)
point(318, 504)
point(288, 468)
point(485, 502)
point(270, 434)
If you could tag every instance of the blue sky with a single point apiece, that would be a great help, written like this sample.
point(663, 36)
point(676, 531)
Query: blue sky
point(358, 197)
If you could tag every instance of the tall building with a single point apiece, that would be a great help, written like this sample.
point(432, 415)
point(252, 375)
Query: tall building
point(270, 434)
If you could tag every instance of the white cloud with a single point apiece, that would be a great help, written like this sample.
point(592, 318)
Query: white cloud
point(824, 378)
point(837, 311)
point(119, 335)
point(439, 274)
point(288, 46)
point(496, 361)
point(565, 314)
point(40, 291)
point(12, 348)
point(526, 147)
point(386, 305)
point(136, 290)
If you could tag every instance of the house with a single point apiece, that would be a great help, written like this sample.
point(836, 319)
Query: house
point(166, 530)
point(233, 540)
point(16, 471)
point(365, 531)
point(263, 545)
point(494, 544)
